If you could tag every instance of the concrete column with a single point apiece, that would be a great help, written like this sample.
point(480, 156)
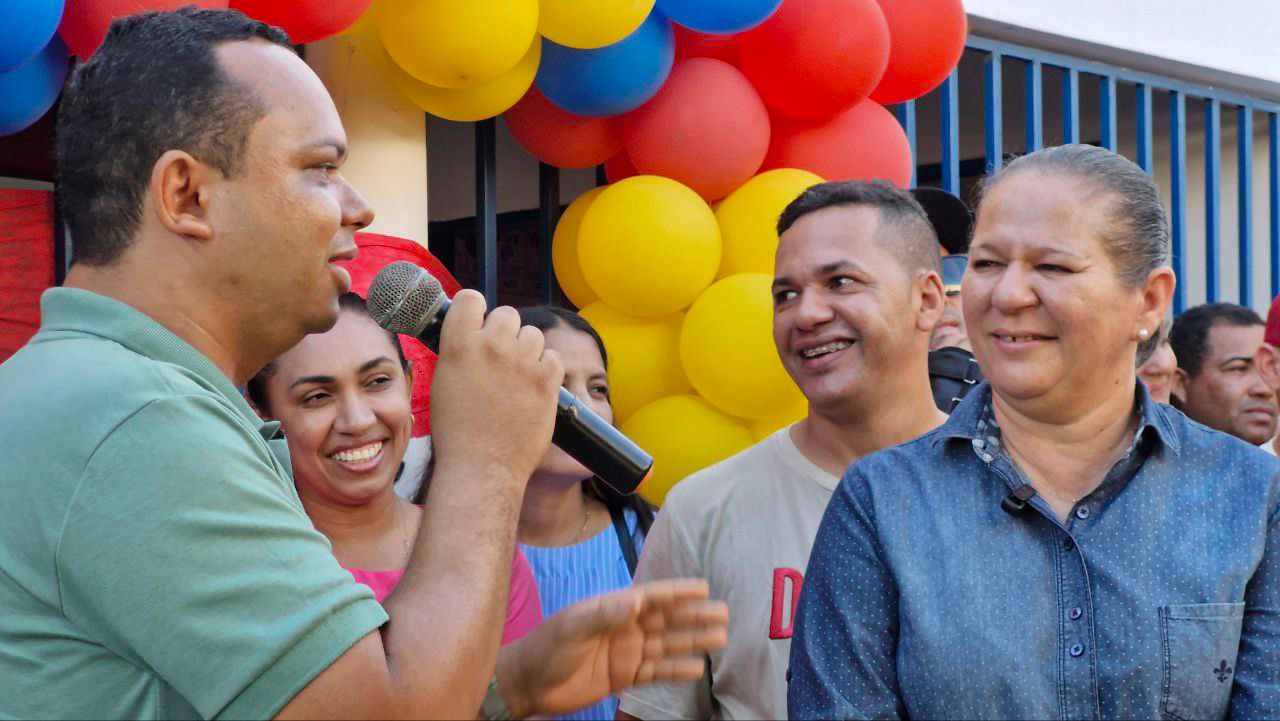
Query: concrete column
point(386, 134)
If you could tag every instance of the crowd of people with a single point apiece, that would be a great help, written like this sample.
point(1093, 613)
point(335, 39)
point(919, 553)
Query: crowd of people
point(1022, 489)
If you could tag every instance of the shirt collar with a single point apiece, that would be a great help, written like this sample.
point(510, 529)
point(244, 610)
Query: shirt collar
point(965, 421)
point(80, 311)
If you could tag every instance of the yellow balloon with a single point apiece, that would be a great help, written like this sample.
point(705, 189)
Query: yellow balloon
point(683, 434)
point(748, 219)
point(591, 23)
point(727, 348)
point(648, 246)
point(564, 251)
point(486, 100)
point(367, 21)
point(453, 44)
point(765, 427)
point(644, 357)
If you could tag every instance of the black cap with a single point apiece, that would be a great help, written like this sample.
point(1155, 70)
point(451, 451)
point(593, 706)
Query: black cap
point(951, 218)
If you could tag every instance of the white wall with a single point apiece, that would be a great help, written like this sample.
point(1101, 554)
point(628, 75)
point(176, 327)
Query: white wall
point(1227, 43)
point(386, 134)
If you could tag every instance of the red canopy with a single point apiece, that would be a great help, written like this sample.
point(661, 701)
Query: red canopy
point(26, 264)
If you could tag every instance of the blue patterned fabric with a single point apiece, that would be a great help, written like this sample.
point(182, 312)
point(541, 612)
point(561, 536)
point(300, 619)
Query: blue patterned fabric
point(1159, 597)
point(568, 574)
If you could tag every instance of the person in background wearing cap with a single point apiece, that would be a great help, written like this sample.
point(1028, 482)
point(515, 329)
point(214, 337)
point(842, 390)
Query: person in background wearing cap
point(1268, 361)
point(856, 296)
point(1217, 383)
point(953, 371)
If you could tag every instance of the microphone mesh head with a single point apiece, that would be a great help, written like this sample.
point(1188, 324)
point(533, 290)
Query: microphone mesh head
point(402, 296)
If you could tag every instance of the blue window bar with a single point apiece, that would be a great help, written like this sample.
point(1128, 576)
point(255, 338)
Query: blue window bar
point(1117, 88)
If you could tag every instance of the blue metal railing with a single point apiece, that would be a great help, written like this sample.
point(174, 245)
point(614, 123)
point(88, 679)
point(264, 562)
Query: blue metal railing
point(1112, 81)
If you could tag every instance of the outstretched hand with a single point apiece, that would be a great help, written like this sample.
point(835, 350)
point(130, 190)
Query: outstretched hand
point(651, 633)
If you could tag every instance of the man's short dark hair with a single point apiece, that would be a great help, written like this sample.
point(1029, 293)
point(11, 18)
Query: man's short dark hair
point(904, 228)
point(154, 86)
point(1190, 335)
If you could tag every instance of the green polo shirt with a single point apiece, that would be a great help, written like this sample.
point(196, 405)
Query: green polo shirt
point(155, 561)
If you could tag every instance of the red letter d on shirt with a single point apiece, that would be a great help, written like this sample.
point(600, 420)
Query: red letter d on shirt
point(780, 577)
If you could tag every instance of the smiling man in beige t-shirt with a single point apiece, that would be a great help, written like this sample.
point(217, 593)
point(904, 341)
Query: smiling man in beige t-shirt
point(856, 294)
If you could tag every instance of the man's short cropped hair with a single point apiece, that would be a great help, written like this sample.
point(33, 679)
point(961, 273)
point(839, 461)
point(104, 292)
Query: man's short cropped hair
point(904, 229)
point(1190, 335)
point(154, 86)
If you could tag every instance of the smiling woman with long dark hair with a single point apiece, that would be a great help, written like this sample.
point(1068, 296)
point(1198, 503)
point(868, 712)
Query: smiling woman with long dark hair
point(1063, 546)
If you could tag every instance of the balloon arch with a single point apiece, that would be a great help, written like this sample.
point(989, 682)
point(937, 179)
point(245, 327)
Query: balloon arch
point(709, 116)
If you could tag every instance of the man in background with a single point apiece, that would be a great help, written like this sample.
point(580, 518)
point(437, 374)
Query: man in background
point(1217, 382)
point(856, 297)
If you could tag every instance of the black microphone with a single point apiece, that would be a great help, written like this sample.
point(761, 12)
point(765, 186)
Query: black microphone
point(1015, 504)
point(405, 298)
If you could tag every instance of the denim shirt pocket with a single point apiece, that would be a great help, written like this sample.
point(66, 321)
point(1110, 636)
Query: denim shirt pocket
point(1200, 642)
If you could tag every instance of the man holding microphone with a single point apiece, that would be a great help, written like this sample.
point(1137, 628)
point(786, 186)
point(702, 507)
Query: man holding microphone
point(155, 560)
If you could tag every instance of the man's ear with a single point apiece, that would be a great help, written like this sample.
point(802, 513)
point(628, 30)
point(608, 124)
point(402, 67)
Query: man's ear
point(179, 192)
point(932, 299)
point(1267, 360)
point(1178, 387)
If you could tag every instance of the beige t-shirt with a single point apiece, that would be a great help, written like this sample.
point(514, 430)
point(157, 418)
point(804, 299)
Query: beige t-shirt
point(745, 524)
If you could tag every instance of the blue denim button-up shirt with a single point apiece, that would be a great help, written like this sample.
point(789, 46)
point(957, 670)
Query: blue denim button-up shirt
point(1159, 597)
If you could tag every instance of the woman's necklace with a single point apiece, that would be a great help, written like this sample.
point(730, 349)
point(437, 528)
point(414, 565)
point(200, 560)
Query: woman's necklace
point(1043, 487)
point(586, 504)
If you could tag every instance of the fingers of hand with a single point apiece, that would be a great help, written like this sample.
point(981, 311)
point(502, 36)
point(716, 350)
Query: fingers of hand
point(672, 590)
point(465, 314)
point(502, 324)
point(686, 613)
point(685, 642)
point(684, 670)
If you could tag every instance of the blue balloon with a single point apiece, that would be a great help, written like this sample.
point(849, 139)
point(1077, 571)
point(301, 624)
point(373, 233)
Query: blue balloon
point(26, 26)
point(613, 79)
point(719, 17)
point(27, 93)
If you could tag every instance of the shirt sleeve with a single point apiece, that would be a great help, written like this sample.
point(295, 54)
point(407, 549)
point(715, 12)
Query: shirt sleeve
point(1256, 690)
point(667, 555)
point(186, 552)
point(843, 650)
point(524, 608)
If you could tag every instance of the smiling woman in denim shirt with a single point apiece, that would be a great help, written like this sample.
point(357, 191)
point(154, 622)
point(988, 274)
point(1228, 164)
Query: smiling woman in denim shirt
point(1062, 547)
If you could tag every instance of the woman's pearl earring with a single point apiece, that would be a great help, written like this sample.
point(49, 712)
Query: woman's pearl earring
point(1143, 333)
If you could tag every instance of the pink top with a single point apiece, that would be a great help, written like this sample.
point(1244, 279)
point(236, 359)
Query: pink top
point(524, 610)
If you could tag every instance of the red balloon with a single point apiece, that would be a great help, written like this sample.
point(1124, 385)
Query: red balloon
point(706, 128)
point(560, 138)
point(619, 167)
point(815, 58)
point(85, 22)
point(693, 44)
point(926, 40)
point(306, 21)
point(862, 143)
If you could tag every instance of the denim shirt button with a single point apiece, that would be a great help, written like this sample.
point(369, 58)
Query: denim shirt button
point(1076, 650)
point(1068, 544)
point(1075, 613)
point(1082, 512)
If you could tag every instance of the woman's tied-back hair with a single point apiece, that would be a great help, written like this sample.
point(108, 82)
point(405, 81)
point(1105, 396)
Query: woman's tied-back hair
point(1137, 233)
